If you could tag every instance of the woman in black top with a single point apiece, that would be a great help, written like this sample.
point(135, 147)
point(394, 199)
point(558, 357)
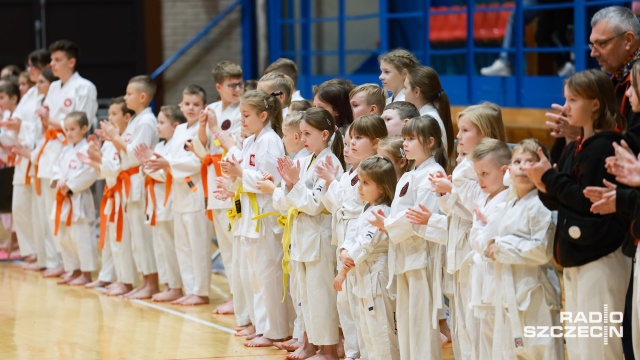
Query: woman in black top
point(587, 245)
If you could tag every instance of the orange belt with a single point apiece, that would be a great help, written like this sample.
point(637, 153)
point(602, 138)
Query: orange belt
point(60, 198)
point(110, 194)
point(124, 178)
point(208, 160)
point(48, 135)
point(149, 183)
point(27, 178)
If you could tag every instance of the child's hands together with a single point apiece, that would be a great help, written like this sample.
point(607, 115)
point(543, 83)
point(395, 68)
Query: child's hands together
point(441, 183)
point(419, 215)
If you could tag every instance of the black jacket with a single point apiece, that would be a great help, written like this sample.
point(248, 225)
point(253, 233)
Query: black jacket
point(581, 236)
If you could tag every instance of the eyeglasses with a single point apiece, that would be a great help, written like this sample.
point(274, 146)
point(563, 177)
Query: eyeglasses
point(600, 44)
point(239, 85)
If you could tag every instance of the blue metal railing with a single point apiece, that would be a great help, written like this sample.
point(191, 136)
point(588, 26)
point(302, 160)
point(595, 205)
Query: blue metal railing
point(464, 87)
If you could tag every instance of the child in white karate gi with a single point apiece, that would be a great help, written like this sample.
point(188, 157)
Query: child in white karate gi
point(365, 251)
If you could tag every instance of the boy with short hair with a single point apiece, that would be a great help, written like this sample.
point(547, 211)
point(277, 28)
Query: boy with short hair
point(289, 68)
point(396, 114)
point(71, 93)
point(140, 130)
point(527, 287)
point(225, 114)
point(367, 99)
point(491, 160)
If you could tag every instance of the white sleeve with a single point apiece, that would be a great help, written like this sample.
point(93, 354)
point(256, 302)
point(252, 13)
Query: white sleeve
point(332, 198)
point(533, 250)
point(366, 239)
point(143, 135)
point(87, 101)
point(82, 179)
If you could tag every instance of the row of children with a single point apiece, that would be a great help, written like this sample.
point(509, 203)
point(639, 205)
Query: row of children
point(298, 202)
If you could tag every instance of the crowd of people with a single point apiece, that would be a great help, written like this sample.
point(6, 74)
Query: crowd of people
point(356, 224)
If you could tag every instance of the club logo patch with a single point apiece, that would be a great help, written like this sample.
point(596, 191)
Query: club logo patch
point(404, 189)
point(252, 159)
point(73, 164)
point(226, 125)
point(127, 138)
point(68, 102)
point(355, 180)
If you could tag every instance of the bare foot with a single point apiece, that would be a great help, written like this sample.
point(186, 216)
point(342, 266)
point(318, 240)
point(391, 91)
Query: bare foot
point(327, 352)
point(445, 332)
point(119, 289)
point(290, 345)
point(224, 309)
point(248, 330)
point(251, 336)
point(340, 346)
point(169, 295)
point(68, 277)
point(195, 300)
point(144, 293)
point(96, 284)
point(259, 341)
point(54, 272)
point(303, 352)
point(133, 291)
point(83, 279)
point(180, 300)
point(112, 285)
point(30, 259)
point(33, 267)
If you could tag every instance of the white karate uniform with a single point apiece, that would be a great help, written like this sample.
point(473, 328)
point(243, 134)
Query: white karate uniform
point(369, 248)
point(311, 248)
point(230, 246)
point(415, 262)
point(123, 263)
point(343, 201)
point(140, 130)
point(78, 245)
point(262, 239)
point(430, 110)
point(398, 97)
point(280, 204)
point(231, 113)
point(163, 231)
point(527, 287)
point(482, 278)
point(77, 94)
point(192, 229)
point(457, 224)
point(23, 193)
point(296, 96)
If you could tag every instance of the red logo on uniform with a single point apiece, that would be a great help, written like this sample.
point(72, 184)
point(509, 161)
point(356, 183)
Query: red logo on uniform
point(252, 160)
point(73, 164)
point(404, 189)
point(127, 138)
point(68, 102)
point(116, 157)
point(355, 180)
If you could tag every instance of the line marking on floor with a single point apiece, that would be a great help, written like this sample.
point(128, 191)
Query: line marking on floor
point(185, 316)
point(177, 313)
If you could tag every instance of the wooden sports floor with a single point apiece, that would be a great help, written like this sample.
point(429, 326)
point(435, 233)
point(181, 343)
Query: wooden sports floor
point(42, 320)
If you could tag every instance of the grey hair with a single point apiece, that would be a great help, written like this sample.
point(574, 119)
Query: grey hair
point(621, 20)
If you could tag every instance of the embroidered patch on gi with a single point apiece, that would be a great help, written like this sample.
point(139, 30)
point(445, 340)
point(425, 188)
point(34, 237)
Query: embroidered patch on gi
point(252, 160)
point(403, 192)
point(68, 102)
point(355, 180)
point(127, 138)
point(226, 125)
point(519, 342)
point(73, 164)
